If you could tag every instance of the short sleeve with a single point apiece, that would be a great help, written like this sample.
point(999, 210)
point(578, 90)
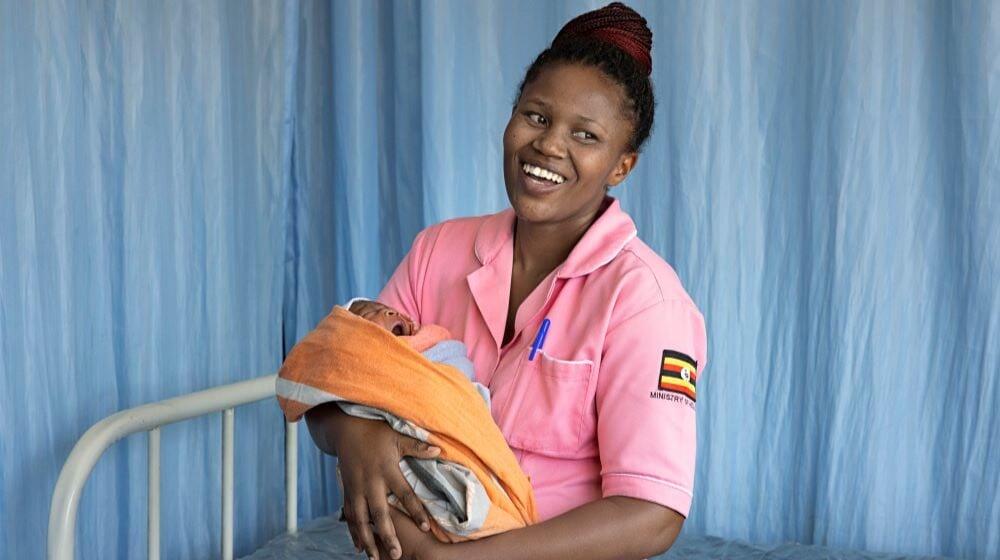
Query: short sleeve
point(402, 291)
point(646, 398)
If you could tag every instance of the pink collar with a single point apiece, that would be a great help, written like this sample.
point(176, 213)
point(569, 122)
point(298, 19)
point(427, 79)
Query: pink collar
point(606, 237)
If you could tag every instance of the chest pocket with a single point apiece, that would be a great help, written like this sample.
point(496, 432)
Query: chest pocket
point(553, 400)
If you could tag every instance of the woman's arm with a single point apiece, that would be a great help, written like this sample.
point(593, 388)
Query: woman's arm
point(323, 422)
point(616, 527)
point(613, 527)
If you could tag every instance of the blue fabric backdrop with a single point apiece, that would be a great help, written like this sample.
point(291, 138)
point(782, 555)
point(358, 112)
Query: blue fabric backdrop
point(186, 188)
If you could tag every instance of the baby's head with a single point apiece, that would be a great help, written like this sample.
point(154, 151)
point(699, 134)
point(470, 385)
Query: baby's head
point(384, 316)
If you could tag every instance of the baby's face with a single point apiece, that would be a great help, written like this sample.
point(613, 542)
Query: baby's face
point(385, 316)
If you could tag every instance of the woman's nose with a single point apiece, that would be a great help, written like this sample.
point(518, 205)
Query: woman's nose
point(549, 143)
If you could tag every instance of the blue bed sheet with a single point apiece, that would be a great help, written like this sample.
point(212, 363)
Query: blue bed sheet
point(327, 539)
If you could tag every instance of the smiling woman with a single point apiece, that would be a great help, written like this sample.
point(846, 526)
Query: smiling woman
point(564, 255)
point(565, 144)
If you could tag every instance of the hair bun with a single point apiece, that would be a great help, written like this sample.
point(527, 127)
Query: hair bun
point(618, 25)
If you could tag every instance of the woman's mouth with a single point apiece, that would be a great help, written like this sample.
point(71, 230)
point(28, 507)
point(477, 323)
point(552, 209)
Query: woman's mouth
point(543, 174)
point(538, 180)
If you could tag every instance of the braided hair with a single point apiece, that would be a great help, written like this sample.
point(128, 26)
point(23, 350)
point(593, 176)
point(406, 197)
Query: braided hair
point(616, 40)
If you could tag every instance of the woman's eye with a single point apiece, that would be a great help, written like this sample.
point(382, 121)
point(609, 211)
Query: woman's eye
point(536, 118)
point(584, 135)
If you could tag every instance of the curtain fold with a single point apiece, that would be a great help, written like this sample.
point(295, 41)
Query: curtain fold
point(142, 236)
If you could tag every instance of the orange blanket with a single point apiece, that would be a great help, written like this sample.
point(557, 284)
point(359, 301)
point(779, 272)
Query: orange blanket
point(354, 360)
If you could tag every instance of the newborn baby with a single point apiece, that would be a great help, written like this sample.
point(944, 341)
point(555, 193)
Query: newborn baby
point(400, 325)
point(475, 487)
point(385, 316)
point(450, 491)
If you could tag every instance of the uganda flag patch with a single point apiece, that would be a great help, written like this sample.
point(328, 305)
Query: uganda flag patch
point(678, 374)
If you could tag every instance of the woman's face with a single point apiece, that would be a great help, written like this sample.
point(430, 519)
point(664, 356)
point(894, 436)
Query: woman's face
point(567, 122)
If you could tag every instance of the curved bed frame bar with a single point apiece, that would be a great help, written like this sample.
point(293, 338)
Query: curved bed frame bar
point(149, 418)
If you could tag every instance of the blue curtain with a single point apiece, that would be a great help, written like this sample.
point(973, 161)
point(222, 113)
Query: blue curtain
point(144, 152)
point(186, 188)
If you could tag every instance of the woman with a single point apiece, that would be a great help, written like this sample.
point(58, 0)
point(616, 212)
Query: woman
point(598, 405)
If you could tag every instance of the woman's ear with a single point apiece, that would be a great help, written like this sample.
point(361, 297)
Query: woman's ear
point(625, 165)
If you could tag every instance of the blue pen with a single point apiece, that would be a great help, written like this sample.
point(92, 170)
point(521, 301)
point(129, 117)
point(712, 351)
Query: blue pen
point(539, 338)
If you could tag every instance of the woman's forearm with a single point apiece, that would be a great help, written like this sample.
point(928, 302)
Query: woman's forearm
point(611, 528)
point(323, 422)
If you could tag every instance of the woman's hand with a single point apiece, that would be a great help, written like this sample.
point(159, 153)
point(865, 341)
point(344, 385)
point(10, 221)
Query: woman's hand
point(369, 452)
point(416, 545)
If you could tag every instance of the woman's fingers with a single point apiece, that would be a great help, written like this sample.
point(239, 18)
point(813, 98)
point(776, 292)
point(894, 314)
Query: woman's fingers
point(384, 553)
point(378, 508)
point(410, 501)
point(355, 508)
point(348, 513)
point(362, 528)
point(409, 447)
point(370, 452)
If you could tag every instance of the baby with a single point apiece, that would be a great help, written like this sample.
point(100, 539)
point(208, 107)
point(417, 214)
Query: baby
point(475, 487)
point(385, 316)
point(400, 325)
point(451, 493)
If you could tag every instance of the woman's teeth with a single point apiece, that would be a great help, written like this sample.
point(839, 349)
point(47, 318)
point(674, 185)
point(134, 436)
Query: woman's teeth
point(536, 171)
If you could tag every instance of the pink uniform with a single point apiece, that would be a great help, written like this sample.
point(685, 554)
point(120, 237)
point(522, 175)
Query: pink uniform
point(607, 406)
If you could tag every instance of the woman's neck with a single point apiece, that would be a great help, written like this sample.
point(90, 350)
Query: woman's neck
point(540, 248)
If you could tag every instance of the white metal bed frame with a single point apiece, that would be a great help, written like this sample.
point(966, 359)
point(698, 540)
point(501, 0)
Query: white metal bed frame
point(149, 418)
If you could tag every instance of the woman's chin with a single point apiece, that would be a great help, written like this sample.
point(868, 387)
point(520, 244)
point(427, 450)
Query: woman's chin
point(532, 206)
point(532, 210)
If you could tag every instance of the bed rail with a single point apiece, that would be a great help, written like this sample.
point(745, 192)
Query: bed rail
point(149, 418)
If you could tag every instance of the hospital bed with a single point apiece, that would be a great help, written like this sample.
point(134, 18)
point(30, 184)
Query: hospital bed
point(320, 539)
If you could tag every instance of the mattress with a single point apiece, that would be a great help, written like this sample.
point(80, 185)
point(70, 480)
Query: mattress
point(327, 539)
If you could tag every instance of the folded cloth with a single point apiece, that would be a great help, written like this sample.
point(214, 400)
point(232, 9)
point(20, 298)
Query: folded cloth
point(475, 488)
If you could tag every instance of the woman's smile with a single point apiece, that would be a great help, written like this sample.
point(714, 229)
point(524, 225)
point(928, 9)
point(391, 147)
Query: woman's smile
point(539, 172)
point(539, 181)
